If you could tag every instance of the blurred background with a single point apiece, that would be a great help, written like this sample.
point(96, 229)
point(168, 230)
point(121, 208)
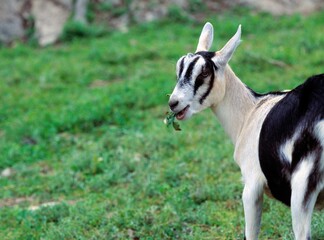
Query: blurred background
point(84, 153)
point(44, 20)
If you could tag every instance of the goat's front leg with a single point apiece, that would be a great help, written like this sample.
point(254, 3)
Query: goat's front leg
point(252, 202)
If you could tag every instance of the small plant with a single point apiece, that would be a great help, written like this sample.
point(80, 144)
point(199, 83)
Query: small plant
point(170, 120)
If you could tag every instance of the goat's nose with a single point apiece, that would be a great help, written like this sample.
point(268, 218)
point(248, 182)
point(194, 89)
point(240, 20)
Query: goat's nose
point(173, 104)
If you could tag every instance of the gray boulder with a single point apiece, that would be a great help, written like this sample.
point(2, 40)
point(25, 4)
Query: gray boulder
point(11, 22)
point(286, 7)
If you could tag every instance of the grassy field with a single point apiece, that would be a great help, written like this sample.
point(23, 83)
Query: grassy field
point(81, 126)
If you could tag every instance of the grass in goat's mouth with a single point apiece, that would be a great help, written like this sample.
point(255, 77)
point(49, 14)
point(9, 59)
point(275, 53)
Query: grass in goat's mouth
point(170, 120)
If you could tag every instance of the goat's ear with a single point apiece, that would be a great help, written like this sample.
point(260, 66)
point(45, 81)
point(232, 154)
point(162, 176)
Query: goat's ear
point(223, 56)
point(206, 38)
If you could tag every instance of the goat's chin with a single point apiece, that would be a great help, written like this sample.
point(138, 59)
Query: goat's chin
point(188, 116)
point(190, 112)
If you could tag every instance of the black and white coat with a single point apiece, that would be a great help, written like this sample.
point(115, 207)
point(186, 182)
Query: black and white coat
point(278, 137)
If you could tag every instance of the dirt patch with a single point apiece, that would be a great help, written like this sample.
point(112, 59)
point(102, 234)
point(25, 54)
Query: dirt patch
point(9, 202)
point(103, 83)
point(32, 202)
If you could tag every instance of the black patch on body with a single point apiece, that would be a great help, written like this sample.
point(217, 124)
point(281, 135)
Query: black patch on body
point(261, 95)
point(300, 109)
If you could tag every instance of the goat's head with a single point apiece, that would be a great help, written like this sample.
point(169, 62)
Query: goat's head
point(201, 82)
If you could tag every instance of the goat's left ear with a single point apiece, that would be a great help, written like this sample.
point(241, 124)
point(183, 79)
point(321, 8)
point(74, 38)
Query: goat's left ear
point(223, 56)
point(206, 38)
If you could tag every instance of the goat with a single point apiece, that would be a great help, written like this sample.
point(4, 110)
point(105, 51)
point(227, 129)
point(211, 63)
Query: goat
point(278, 136)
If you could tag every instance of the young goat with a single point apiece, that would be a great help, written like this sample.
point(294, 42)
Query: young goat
point(278, 137)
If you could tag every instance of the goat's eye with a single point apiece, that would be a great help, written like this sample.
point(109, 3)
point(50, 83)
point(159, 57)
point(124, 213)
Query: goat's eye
point(204, 73)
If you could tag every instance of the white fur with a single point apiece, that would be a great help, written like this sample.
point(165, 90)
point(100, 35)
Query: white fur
point(286, 148)
point(206, 38)
point(224, 55)
point(319, 132)
point(301, 215)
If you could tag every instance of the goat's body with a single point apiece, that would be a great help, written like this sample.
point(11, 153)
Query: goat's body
point(280, 149)
point(278, 137)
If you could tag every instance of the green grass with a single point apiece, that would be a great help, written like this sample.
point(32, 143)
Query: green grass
point(81, 124)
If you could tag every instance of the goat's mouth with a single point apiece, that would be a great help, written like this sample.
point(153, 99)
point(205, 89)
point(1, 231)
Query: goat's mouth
point(181, 115)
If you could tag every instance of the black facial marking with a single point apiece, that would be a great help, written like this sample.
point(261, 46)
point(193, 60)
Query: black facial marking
point(209, 69)
point(300, 110)
point(190, 69)
point(206, 55)
point(210, 86)
point(199, 81)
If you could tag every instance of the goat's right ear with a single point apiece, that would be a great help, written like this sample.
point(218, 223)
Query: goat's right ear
point(206, 38)
point(223, 56)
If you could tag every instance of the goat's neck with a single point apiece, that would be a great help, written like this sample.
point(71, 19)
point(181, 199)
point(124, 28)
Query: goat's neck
point(235, 106)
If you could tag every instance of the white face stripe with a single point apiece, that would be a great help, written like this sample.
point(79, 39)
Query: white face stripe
point(180, 66)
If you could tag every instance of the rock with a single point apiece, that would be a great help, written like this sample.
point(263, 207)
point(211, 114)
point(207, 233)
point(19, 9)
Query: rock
point(121, 23)
point(124, 13)
point(286, 7)
point(118, 18)
point(7, 172)
point(80, 10)
point(149, 10)
point(11, 22)
point(50, 17)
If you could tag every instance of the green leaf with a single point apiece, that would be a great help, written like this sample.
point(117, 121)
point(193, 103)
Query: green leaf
point(176, 126)
point(170, 120)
